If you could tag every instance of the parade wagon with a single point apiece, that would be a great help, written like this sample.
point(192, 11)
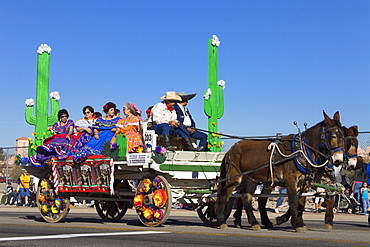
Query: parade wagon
point(159, 182)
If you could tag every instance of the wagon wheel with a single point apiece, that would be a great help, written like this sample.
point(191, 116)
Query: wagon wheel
point(53, 208)
point(112, 210)
point(153, 201)
point(206, 210)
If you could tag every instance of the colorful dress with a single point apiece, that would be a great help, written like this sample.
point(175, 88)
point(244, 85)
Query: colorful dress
point(105, 135)
point(55, 146)
point(129, 127)
point(80, 151)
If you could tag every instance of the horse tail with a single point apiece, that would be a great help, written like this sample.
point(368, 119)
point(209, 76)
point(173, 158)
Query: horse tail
point(225, 167)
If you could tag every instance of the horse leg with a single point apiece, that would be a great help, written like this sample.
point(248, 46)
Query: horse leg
point(262, 201)
point(293, 201)
point(329, 215)
point(238, 213)
point(283, 218)
point(301, 205)
point(247, 203)
point(222, 201)
point(247, 199)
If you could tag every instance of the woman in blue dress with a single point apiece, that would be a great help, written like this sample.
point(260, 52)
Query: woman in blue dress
point(104, 128)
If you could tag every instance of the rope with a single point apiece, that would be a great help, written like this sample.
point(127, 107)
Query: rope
point(274, 145)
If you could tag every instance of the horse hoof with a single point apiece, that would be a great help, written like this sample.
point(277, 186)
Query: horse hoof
point(305, 228)
point(269, 226)
point(256, 227)
point(329, 227)
point(300, 229)
point(223, 226)
point(277, 221)
point(237, 224)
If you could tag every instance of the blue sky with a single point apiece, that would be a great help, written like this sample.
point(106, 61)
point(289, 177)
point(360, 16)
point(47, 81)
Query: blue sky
point(283, 61)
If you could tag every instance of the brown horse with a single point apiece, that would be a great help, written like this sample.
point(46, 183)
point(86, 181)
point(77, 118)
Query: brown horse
point(286, 162)
point(350, 147)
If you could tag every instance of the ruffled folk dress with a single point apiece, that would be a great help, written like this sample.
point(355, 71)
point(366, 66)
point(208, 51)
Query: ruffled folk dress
point(55, 146)
point(80, 151)
point(105, 133)
point(129, 127)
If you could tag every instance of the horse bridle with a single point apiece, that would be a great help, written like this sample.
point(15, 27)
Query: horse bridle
point(326, 139)
point(348, 144)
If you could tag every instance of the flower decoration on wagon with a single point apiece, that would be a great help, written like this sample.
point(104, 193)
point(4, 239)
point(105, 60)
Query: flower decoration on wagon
point(207, 94)
point(222, 84)
point(151, 199)
point(30, 102)
point(215, 40)
point(55, 95)
point(158, 153)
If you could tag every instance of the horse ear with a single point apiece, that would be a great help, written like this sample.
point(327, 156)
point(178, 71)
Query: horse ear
point(345, 130)
point(355, 130)
point(327, 118)
point(336, 116)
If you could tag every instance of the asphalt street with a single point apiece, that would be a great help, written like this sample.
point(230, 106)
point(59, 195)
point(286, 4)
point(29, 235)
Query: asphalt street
point(23, 226)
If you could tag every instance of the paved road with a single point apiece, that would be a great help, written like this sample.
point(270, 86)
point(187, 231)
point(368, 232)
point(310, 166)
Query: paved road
point(83, 227)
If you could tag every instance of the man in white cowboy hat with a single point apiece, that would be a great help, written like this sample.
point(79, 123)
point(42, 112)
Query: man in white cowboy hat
point(186, 120)
point(164, 118)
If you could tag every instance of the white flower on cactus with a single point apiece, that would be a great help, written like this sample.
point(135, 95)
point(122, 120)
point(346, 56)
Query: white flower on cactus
point(221, 83)
point(29, 102)
point(55, 95)
point(44, 48)
point(208, 94)
point(215, 40)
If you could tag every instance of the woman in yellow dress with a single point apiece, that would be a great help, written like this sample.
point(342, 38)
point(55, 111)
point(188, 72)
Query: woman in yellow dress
point(130, 126)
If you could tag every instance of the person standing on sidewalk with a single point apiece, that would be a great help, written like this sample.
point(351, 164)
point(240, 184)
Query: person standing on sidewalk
point(365, 197)
point(359, 178)
point(24, 187)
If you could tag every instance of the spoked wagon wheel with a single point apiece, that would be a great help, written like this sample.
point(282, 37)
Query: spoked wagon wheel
point(113, 210)
point(53, 208)
point(153, 201)
point(206, 210)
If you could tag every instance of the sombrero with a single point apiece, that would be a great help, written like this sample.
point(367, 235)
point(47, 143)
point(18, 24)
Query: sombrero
point(171, 95)
point(186, 97)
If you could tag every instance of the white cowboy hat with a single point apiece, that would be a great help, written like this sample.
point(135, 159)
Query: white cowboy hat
point(186, 97)
point(171, 95)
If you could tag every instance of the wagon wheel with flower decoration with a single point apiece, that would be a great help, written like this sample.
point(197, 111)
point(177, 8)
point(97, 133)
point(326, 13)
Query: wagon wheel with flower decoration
point(113, 210)
point(153, 201)
point(53, 207)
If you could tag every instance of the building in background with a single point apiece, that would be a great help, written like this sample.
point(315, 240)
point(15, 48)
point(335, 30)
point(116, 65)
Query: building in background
point(21, 146)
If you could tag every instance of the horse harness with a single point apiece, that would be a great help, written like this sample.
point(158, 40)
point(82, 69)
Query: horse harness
point(301, 155)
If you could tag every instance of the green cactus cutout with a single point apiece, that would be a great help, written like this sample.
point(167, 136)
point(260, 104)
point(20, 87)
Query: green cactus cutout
point(213, 96)
point(41, 119)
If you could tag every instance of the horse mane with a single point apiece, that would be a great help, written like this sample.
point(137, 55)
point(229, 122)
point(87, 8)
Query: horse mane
point(313, 134)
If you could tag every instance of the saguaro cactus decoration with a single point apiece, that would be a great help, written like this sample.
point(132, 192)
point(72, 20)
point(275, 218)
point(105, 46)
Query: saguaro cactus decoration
point(213, 96)
point(41, 120)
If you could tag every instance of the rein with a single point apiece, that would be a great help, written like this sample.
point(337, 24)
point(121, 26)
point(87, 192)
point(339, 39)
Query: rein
point(230, 136)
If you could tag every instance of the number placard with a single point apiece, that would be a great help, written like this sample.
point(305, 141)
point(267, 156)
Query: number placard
point(137, 159)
